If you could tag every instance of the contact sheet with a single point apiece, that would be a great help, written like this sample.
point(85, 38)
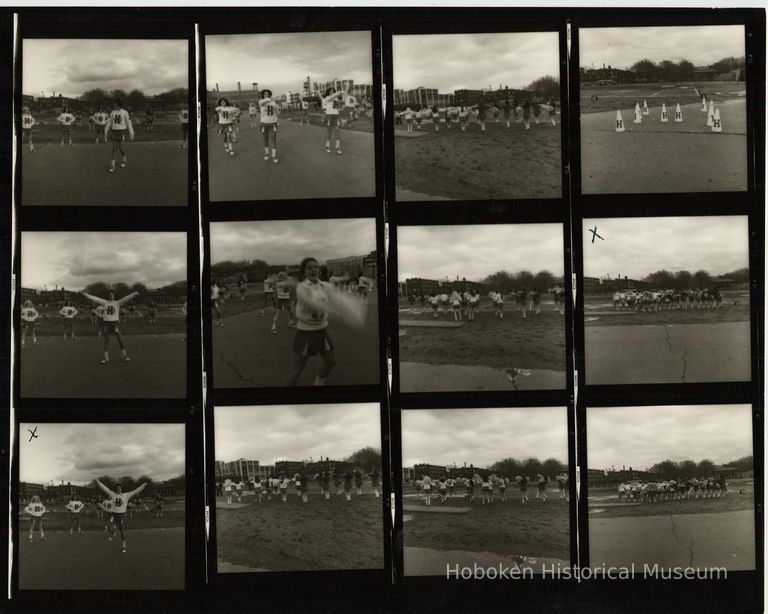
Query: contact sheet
point(384, 309)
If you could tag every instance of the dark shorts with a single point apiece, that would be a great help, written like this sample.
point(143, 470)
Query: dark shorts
point(362, 290)
point(110, 327)
point(28, 325)
point(117, 135)
point(331, 120)
point(267, 128)
point(284, 304)
point(66, 130)
point(310, 342)
point(269, 297)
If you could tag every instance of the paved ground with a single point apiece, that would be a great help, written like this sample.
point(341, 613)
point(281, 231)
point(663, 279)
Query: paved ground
point(154, 561)
point(423, 377)
point(245, 354)
point(724, 539)
point(59, 368)
point(429, 562)
point(156, 174)
point(672, 157)
point(668, 354)
point(304, 170)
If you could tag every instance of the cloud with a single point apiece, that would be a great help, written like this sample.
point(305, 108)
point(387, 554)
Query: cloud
point(638, 246)
point(282, 62)
point(622, 47)
point(476, 251)
point(483, 436)
point(75, 259)
point(295, 432)
point(288, 241)
point(453, 61)
point(78, 453)
point(642, 436)
point(74, 66)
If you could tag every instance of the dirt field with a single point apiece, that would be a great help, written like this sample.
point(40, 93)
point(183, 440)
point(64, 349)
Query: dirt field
point(663, 157)
point(319, 535)
point(536, 342)
point(536, 529)
point(501, 163)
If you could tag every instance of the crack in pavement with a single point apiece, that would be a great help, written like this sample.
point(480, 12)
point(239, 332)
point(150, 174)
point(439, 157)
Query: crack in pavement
point(674, 529)
point(240, 376)
point(666, 338)
point(690, 553)
point(685, 364)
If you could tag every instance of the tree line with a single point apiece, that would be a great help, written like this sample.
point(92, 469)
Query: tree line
point(685, 280)
point(135, 99)
point(505, 281)
point(546, 87)
point(255, 269)
point(130, 483)
point(673, 470)
point(528, 467)
point(646, 70)
point(101, 289)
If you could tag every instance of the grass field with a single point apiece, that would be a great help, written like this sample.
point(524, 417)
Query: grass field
point(652, 156)
point(246, 354)
point(362, 124)
point(740, 496)
point(594, 99)
point(735, 308)
point(501, 163)
point(536, 529)
point(536, 342)
point(295, 536)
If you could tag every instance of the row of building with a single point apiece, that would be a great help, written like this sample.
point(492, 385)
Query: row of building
point(430, 96)
point(426, 287)
point(245, 469)
point(611, 76)
point(57, 297)
point(607, 285)
point(613, 477)
point(49, 492)
point(291, 99)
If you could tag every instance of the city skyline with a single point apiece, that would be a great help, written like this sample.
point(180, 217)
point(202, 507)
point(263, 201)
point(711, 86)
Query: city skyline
point(281, 62)
point(642, 436)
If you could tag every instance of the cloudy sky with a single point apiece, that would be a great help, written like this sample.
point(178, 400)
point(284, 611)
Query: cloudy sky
point(75, 259)
point(268, 433)
point(643, 436)
point(473, 61)
point(483, 436)
point(71, 66)
point(77, 453)
point(477, 250)
point(638, 246)
point(288, 241)
point(622, 47)
point(282, 62)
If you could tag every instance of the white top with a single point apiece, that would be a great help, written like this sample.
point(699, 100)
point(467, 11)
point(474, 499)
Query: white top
point(268, 111)
point(75, 506)
point(120, 500)
point(111, 308)
point(311, 304)
point(35, 509)
point(333, 103)
point(67, 119)
point(225, 114)
point(120, 119)
point(29, 314)
point(68, 312)
point(184, 116)
point(27, 121)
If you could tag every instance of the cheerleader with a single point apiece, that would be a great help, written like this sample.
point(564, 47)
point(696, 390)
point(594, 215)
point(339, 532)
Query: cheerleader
point(35, 509)
point(225, 118)
point(66, 119)
point(426, 487)
point(375, 481)
point(434, 301)
point(486, 486)
point(436, 117)
point(111, 318)
point(451, 484)
point(282, 301)
point(541, 487)
point(301, 487)
point(117, 126)
point(337, 482)
point(184, 120)
point(215, 303)
point(284, 489)
point(527, 114)
point(442, 488)
point(418, 117)
point(323, 482)
point(507, 113)
point(348, 486)
point(464, 118)
point(257, 488)
point(269, 111)
point(105, 509)
point(27, 122)
point(551, 111)
point(228, 484)
point(332, 103)
point(456, 305)
point(239, 490)
point(74, 506)
point(120, 502)
point(523, 483)
point(29, 316)
point(470, 487)
point(358, 481)
point(481, 115)
point(503, 489)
